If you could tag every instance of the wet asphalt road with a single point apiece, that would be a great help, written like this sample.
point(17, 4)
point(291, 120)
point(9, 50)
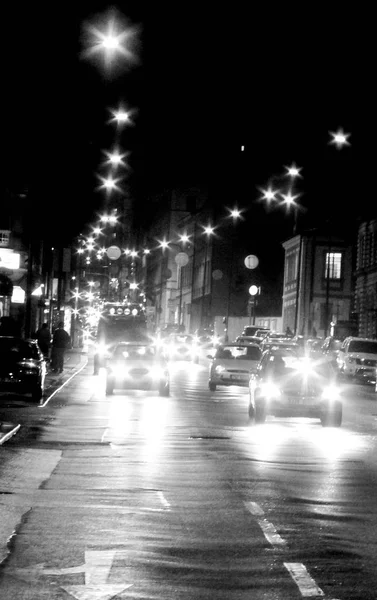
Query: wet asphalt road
point(137, 496)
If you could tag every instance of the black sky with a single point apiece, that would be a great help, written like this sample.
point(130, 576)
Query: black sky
point(207, 81)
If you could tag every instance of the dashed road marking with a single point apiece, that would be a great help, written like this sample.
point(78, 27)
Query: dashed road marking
point(268, 529)
point(306, 584)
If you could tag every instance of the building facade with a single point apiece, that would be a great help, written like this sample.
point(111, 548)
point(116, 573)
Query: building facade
point(318, 283)
point(366, 279)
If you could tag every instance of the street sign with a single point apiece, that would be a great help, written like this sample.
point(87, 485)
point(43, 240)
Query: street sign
point(113, 252)
point(181, 259)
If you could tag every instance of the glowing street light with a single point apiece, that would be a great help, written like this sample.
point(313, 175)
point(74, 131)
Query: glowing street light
point(289, 200)
point(208, 230)
point(293, 171)
point(163, 244)
point(184, 238)
point(269, 194)
point(110, 42)
point(235, 213)
point(339, 138)
point(115, 159)
point(109, 184)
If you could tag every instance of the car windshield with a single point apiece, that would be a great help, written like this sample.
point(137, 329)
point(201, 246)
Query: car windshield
point(182, 339)
point(299, 367)
point(369, 347)
point(243, 352)
point(17, 348)
point(135, 352)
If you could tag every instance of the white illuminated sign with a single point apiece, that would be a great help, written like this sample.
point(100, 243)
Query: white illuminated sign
point(18, 295)
point(9, 259)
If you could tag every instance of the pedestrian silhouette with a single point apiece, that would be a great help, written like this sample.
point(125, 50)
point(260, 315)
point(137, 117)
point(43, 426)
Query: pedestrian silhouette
point(43, 336)
point(61, 340)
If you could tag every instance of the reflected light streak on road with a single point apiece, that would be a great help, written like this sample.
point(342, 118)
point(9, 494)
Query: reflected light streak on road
point(335, 443)
point(155, 414)
point(120, 417)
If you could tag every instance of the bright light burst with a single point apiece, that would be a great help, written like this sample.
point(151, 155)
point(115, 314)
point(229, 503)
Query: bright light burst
point(269, 195)
point(289, 200)
point(293, 171)
point(235, 213)
point(339, 138)
point(113, 41)
point(184, 238)
point(109, 184)
point(208, 230)
point(115, 159)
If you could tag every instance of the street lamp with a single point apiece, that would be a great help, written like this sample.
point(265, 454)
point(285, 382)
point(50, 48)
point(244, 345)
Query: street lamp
point(208, 231)
point(253, 291)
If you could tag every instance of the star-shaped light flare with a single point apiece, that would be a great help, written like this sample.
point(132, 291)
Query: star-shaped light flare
point(339, 138)
point(289, 200)
point(293, 171)
point(269, 195)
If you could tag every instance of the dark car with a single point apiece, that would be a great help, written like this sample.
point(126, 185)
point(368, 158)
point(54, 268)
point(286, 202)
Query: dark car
point(289, 384)
point(22, 367)
point(133, 365)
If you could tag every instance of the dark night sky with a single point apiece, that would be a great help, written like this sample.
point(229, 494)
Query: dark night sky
point(206, 82)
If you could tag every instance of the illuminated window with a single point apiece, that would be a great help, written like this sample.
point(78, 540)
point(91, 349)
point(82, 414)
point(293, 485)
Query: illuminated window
point(333, 265)
point(4, 238)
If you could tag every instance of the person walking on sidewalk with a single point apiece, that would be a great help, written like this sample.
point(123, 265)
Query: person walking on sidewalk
point(44, 339)
point(61, 340)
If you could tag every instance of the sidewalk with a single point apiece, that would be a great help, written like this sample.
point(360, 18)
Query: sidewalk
point(74, 359)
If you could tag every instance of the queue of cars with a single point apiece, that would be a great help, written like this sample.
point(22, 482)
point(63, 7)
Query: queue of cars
point(290, 376)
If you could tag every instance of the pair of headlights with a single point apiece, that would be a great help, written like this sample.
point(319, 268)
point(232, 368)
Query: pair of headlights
point(270, 391)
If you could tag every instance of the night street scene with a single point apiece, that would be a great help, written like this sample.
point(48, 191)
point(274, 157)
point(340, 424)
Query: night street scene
point(188, 302)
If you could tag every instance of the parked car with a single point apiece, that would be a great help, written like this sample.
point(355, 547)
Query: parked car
point(253, 329)
point(137, 366)
point(179, 346)
point(248, 339)
point(22, 367)
point(357, 357)
point(288, 384)
point(232, 364)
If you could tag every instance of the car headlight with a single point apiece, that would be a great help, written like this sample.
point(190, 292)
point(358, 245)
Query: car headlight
point(157, 372)
point(118, 371)
point(270, 390)
point(102, 350)
point(219, 369)
point(331, 392)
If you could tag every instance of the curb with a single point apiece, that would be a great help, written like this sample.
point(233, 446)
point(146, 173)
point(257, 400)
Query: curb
point(7, 430)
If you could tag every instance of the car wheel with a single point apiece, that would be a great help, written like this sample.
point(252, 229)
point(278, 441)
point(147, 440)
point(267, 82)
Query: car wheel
point(251, 411)
point(109, 388)
point(37, 393)
point(333, 416)
point(212, 386)
point(164, 390)
point(260, 412)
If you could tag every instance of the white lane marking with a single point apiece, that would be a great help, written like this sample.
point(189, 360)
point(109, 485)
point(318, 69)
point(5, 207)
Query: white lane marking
point(96, 568)
point(163, 500)
point(305, 583)
point(62, 385)
point(268, 529)
point(254, 508)
point(270, 533)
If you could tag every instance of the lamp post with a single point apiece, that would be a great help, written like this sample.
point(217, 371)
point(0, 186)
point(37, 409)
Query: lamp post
point(235, 214)
point(253, 291)
point(208, 231)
